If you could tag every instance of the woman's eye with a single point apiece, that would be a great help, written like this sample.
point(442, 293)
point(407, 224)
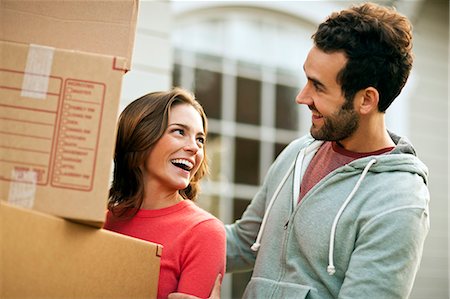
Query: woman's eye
point(179, 131)
point(201, 140)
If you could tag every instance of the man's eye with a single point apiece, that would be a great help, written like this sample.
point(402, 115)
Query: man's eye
point(317, 87)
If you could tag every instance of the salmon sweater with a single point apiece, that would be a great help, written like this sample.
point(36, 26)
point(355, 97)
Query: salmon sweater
point(193, 242)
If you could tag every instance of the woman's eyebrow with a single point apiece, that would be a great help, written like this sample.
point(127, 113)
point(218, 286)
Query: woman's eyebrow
point(186, 127)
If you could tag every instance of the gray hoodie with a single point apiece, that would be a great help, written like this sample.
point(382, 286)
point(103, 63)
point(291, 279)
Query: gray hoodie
point(358, 233)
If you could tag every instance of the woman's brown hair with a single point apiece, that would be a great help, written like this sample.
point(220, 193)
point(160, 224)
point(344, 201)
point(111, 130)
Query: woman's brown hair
point(141, 124)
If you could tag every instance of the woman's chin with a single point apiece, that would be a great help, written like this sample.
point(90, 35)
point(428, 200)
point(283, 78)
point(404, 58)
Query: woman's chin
point(182, 186)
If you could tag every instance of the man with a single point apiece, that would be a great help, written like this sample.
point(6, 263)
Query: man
point(343, 212)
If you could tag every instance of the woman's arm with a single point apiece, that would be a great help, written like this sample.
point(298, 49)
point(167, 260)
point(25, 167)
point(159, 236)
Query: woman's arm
point(203, 258)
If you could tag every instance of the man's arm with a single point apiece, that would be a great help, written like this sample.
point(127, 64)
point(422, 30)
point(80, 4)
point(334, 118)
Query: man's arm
point(242, 234)
point(387, 255)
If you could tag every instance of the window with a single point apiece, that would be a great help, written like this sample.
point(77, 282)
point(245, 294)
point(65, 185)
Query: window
point(248, 101)
point(246, 162)
point(208, 90)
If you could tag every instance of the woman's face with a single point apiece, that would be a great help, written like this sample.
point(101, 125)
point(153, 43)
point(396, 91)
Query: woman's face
point(177, 155)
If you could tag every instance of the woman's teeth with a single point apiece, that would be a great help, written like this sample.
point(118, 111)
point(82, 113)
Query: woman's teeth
point(182, 163)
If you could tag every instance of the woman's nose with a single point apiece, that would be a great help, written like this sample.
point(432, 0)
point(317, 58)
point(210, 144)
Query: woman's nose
point(192, 145)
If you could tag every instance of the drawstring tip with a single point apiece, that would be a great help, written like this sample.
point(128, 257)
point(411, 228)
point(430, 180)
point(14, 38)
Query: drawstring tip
point(255, 246)
point(331, 270)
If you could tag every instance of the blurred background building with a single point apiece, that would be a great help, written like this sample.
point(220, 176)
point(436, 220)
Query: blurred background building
point(243, 60)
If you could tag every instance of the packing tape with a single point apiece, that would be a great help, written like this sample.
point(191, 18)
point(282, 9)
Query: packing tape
point(37, 71)
point(22, 189)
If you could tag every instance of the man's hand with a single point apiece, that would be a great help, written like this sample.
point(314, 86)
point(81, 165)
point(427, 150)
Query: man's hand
point(215, 293)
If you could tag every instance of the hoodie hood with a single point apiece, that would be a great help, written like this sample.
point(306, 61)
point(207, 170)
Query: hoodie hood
point(402, 158)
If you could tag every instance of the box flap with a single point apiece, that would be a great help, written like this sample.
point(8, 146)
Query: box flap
point(104, 27)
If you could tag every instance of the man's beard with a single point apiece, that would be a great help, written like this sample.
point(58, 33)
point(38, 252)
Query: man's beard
point(338, 126)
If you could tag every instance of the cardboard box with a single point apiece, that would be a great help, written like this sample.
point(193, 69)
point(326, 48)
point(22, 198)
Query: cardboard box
point(102, 27)
point(58, 114)
point(43, 256)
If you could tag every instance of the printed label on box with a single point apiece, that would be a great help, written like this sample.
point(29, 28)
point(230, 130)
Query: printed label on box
point(57, 137)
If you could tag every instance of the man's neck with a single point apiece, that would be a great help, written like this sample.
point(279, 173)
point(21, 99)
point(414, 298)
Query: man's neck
point(368, 138)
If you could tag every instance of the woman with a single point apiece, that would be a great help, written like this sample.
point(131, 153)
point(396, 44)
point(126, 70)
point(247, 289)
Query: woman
point(159, 160)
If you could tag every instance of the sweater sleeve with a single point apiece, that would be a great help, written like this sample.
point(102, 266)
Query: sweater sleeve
point(386, 255)
point(203, 258)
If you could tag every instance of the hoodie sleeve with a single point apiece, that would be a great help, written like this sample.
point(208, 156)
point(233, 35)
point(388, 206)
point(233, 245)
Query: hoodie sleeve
point(242, 234)
point(387, 254)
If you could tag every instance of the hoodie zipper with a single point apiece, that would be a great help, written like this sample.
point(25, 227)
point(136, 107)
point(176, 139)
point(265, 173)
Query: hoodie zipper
point(284, 251)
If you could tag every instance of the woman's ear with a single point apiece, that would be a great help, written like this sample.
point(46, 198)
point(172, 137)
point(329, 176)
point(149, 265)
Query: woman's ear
point(367, 100)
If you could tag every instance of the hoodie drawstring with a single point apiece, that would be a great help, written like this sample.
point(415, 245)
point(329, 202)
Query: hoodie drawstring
point(257, 243)
point(331, 269)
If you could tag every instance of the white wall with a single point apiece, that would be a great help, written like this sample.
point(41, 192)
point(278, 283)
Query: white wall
point(151, 68)
point(429, 133)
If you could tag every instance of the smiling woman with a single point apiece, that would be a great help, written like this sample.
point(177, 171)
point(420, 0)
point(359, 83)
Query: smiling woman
point(160, 157)
point(173, 161)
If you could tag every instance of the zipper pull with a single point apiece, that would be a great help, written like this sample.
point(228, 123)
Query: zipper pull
point(286, 224)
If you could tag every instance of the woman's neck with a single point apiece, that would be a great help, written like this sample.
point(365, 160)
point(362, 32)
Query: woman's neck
point(158, 200)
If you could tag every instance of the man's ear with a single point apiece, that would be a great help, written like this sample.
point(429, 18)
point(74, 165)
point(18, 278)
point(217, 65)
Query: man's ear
point(367, 100)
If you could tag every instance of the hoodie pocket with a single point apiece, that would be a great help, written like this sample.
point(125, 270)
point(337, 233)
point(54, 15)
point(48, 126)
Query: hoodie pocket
point(265, 288)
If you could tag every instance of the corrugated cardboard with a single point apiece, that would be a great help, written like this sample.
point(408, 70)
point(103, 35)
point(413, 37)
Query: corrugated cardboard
point(58, 113)
point(43, 256)
point(103, 27)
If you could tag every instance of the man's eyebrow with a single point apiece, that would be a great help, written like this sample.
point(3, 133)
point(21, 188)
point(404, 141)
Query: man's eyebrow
point(314, 80)
point(317, 82)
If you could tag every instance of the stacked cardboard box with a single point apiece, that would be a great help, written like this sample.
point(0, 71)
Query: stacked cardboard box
point(58, 114)
point(61, 69)
point(61, 72)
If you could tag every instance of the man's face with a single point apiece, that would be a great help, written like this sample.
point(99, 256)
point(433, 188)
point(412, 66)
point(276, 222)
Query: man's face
point(331, 120)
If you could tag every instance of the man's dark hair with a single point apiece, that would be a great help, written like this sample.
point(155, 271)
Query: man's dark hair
point(377, 42)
